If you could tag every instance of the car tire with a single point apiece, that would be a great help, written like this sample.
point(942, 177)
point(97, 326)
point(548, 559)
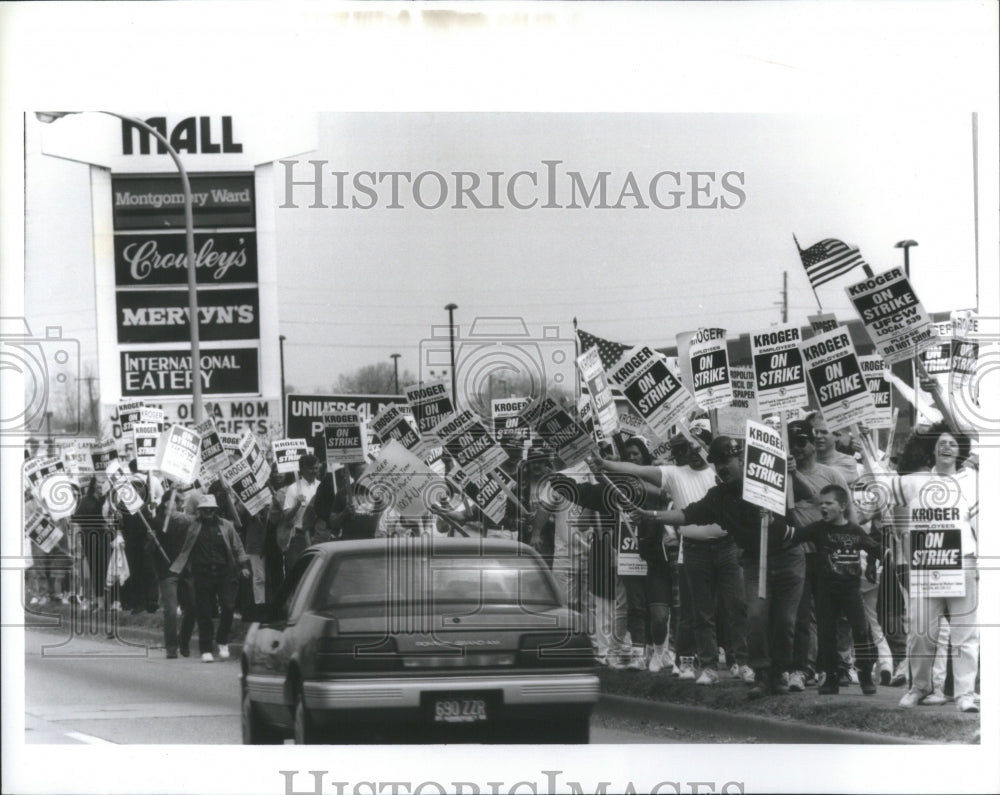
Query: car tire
point(254, 730)
point(304, 730)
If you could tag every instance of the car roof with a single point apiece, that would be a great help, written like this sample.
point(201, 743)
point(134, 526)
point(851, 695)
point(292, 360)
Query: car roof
point(444, 546)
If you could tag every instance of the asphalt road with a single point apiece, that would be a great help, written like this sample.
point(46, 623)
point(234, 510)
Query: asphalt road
point(98, 691)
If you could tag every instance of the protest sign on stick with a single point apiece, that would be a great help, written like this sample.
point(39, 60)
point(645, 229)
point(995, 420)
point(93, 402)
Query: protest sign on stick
point(709, 363)
point(345, 438)
point(601, 400)
point(400, 480)
point(396, 422)
point(653, 389)
point(823, 322)
point(731, 420)
point(253, 453)
point(123, 488)
point(129, 413)
point(180, 449)
point(779, 377)
point(893, 316)
point(214, 457)
point(79, 461)
point(487, 491)
point(102, 453)
point(287, 453)
point(41, 530)
point(254, 495)
point(51, 485)
point(431, 403)
point(964, 352)
point(765, 470)
point(146, 436)
point(507, 426)
point(469, 442)
point(152, 414)
point(935, 547)
point(557, 429)
point(837, 381)
point(873, 368)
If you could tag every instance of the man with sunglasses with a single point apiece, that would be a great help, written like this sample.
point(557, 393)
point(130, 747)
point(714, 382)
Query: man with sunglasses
point(771, 620)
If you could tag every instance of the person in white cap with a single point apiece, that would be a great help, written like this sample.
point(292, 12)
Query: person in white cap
point(215, 553)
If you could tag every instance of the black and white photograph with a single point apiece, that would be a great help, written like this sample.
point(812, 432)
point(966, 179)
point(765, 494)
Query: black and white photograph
point(499, 397)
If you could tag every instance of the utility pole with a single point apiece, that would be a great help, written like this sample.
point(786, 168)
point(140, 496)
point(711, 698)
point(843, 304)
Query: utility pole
point(783, 303)
point(93, 405)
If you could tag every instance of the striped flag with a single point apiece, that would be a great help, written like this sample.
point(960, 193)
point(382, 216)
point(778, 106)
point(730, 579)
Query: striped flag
point(828, 259)
point(610, 352)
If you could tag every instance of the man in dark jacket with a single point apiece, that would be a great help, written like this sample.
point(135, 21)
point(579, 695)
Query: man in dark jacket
point(772, 620)
point(215, 553)
point(176, 589)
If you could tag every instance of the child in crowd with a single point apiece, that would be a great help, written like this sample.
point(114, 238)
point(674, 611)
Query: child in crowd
point(839, 543)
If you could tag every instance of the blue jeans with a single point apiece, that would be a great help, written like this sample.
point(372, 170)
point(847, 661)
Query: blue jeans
point(772, 620)
point(176, 591)
point(638, 615)
point(712, 569)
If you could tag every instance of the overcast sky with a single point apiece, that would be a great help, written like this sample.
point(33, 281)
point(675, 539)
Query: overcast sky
point(356, 285)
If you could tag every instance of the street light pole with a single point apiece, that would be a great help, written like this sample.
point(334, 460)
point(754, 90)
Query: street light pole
point(281, 354)
point(51, 116)
point(395, 370)
point(451, 334)
point(908, 370)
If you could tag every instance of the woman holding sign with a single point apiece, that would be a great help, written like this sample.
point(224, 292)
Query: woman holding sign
point(941, 525)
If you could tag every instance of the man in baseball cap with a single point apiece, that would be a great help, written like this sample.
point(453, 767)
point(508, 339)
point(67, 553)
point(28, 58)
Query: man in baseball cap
point(771, 620)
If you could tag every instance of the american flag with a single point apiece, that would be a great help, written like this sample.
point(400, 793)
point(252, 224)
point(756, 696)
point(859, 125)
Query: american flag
point(829, 259)
point(610, 352)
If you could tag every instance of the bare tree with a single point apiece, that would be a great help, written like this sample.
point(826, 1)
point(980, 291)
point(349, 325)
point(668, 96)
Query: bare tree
point(373, 379)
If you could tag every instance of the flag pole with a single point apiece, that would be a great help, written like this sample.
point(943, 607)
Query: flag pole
point(577, 389)
point(815, 294)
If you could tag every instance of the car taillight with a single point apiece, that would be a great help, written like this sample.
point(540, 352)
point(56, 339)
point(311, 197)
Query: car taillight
point(555, 649)
point(357, 653)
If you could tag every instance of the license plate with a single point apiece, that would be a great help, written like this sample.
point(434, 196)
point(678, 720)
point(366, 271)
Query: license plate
point(457, 709)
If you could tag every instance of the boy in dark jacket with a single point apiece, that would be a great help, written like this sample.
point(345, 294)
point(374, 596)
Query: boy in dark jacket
point(839, 543)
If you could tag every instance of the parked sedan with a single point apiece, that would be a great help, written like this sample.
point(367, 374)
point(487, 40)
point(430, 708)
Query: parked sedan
point(418, 640)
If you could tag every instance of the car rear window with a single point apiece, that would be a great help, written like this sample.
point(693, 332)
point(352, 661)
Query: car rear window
point(405, 579)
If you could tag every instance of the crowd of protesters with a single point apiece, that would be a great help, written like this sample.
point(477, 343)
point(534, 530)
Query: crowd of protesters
point(837, 604)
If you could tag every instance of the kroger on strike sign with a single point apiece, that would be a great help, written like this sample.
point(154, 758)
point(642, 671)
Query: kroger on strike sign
point(765, 468)
point(893, 316)
point(779, 377)
point(710, 368)
point(838, 383)
point(652, 389)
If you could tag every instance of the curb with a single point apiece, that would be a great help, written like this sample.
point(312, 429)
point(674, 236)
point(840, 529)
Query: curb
point(771, 730)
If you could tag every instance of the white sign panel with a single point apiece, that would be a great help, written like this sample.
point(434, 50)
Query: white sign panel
point(779, 376)
point(893, 316)
point(765, 468)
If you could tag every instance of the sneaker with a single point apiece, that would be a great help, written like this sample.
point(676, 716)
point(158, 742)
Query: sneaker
point(616, 662)
point(885, 677)
point(796, 681)
point(686, 670)
point(708, 677)
point(745, 673)
point(779, 686)
point(845, 679)
point(910, 699)
point(935, 699)
point(852, 674)
point(185, 651)
point(830, 687)
point(207, 657)
point(223, 651)
point(34, 600)
point(734, 670)
point(656, 662)
point(899, 675)
point(171, 655)
point(869, 688)
point(966, 703)
point(637, 663)
point(811, 678)
point(116, 606)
